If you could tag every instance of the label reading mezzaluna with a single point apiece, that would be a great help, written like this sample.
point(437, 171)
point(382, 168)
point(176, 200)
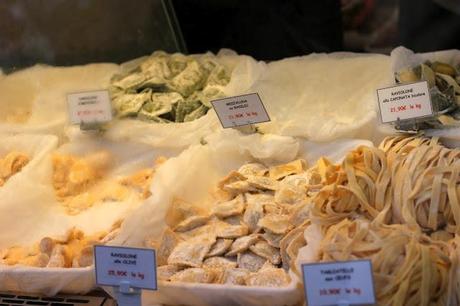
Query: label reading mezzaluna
point(404, 102)
point(339, 283)
point(240, 110)
point(116, 264)
point(90, 107)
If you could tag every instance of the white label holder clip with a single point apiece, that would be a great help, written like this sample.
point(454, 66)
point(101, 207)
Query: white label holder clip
point(246, 129)
point(90, 126)
point(128, 295)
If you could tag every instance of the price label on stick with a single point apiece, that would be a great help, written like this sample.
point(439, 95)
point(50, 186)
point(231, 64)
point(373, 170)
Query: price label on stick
point(90, 107)
point(120, 264)
point(339, 283)
point(240, 110)
point(404, 102)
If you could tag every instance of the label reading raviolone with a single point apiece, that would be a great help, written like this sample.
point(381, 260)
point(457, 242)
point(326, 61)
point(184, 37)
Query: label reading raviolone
point(339, 283)
point(240, 110)
point(404, 102)
point(116, 264)
point(90, 107)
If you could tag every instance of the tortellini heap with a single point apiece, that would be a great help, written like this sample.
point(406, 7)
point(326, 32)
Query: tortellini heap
point(169, 88)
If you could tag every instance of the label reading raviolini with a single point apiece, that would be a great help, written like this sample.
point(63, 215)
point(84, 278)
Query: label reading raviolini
point(339, 283)
point(240, 110)
point(116, 264)
point(404, 102)
point(90, 107)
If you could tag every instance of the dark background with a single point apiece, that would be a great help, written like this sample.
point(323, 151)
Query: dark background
point(265, 29)
point(70, 32)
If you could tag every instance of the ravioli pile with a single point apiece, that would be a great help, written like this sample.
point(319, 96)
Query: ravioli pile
point(251, 234)
point(73, 251)
point(79, 182)
point(444, 83)
point(11, 164)
point(169, 88)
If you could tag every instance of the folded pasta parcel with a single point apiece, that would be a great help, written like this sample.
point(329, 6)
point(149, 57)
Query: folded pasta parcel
point(82, 181)
point(79, 182)
point(249, 236)
point(75, 250)
point(168, 88)
point(12, 163)
point(444, 85)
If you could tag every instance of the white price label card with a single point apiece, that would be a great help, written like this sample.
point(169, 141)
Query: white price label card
point(339, 283)
point(404, 102)
point(89, 107)
point(117, 264)
point(240, 110)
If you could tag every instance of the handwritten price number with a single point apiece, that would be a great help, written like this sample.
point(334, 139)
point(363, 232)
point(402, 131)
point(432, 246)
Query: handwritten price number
point(242, 115)
point(122, 273)
point(336, 291)
point(88, 112)
point(403, 108)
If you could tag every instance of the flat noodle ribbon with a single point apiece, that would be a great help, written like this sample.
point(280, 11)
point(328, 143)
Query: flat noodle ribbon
point(409, 268)
point(408, 180)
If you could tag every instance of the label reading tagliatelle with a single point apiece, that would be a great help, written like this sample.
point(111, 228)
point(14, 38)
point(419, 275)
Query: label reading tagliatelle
point(404, 102)
point(133, 265)
point(339, 283)
point(240, 110)
point(90, 107)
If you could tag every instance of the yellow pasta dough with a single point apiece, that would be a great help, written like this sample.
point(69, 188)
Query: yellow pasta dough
point(11, 164)
point(408, 267)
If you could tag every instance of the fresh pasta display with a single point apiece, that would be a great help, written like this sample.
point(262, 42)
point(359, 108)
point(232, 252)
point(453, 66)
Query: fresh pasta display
point(258, 223)
point(233, 214)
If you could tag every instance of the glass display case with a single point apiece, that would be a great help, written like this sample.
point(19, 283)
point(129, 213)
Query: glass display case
point(110, 137)
point(65, 33)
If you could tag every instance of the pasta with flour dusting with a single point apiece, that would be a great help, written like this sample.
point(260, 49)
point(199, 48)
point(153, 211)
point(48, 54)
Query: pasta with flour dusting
point(11, 164)
point(425, 183)
point(81, 182)
point(409, 180)
point(408, 267)
point(240, 240)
